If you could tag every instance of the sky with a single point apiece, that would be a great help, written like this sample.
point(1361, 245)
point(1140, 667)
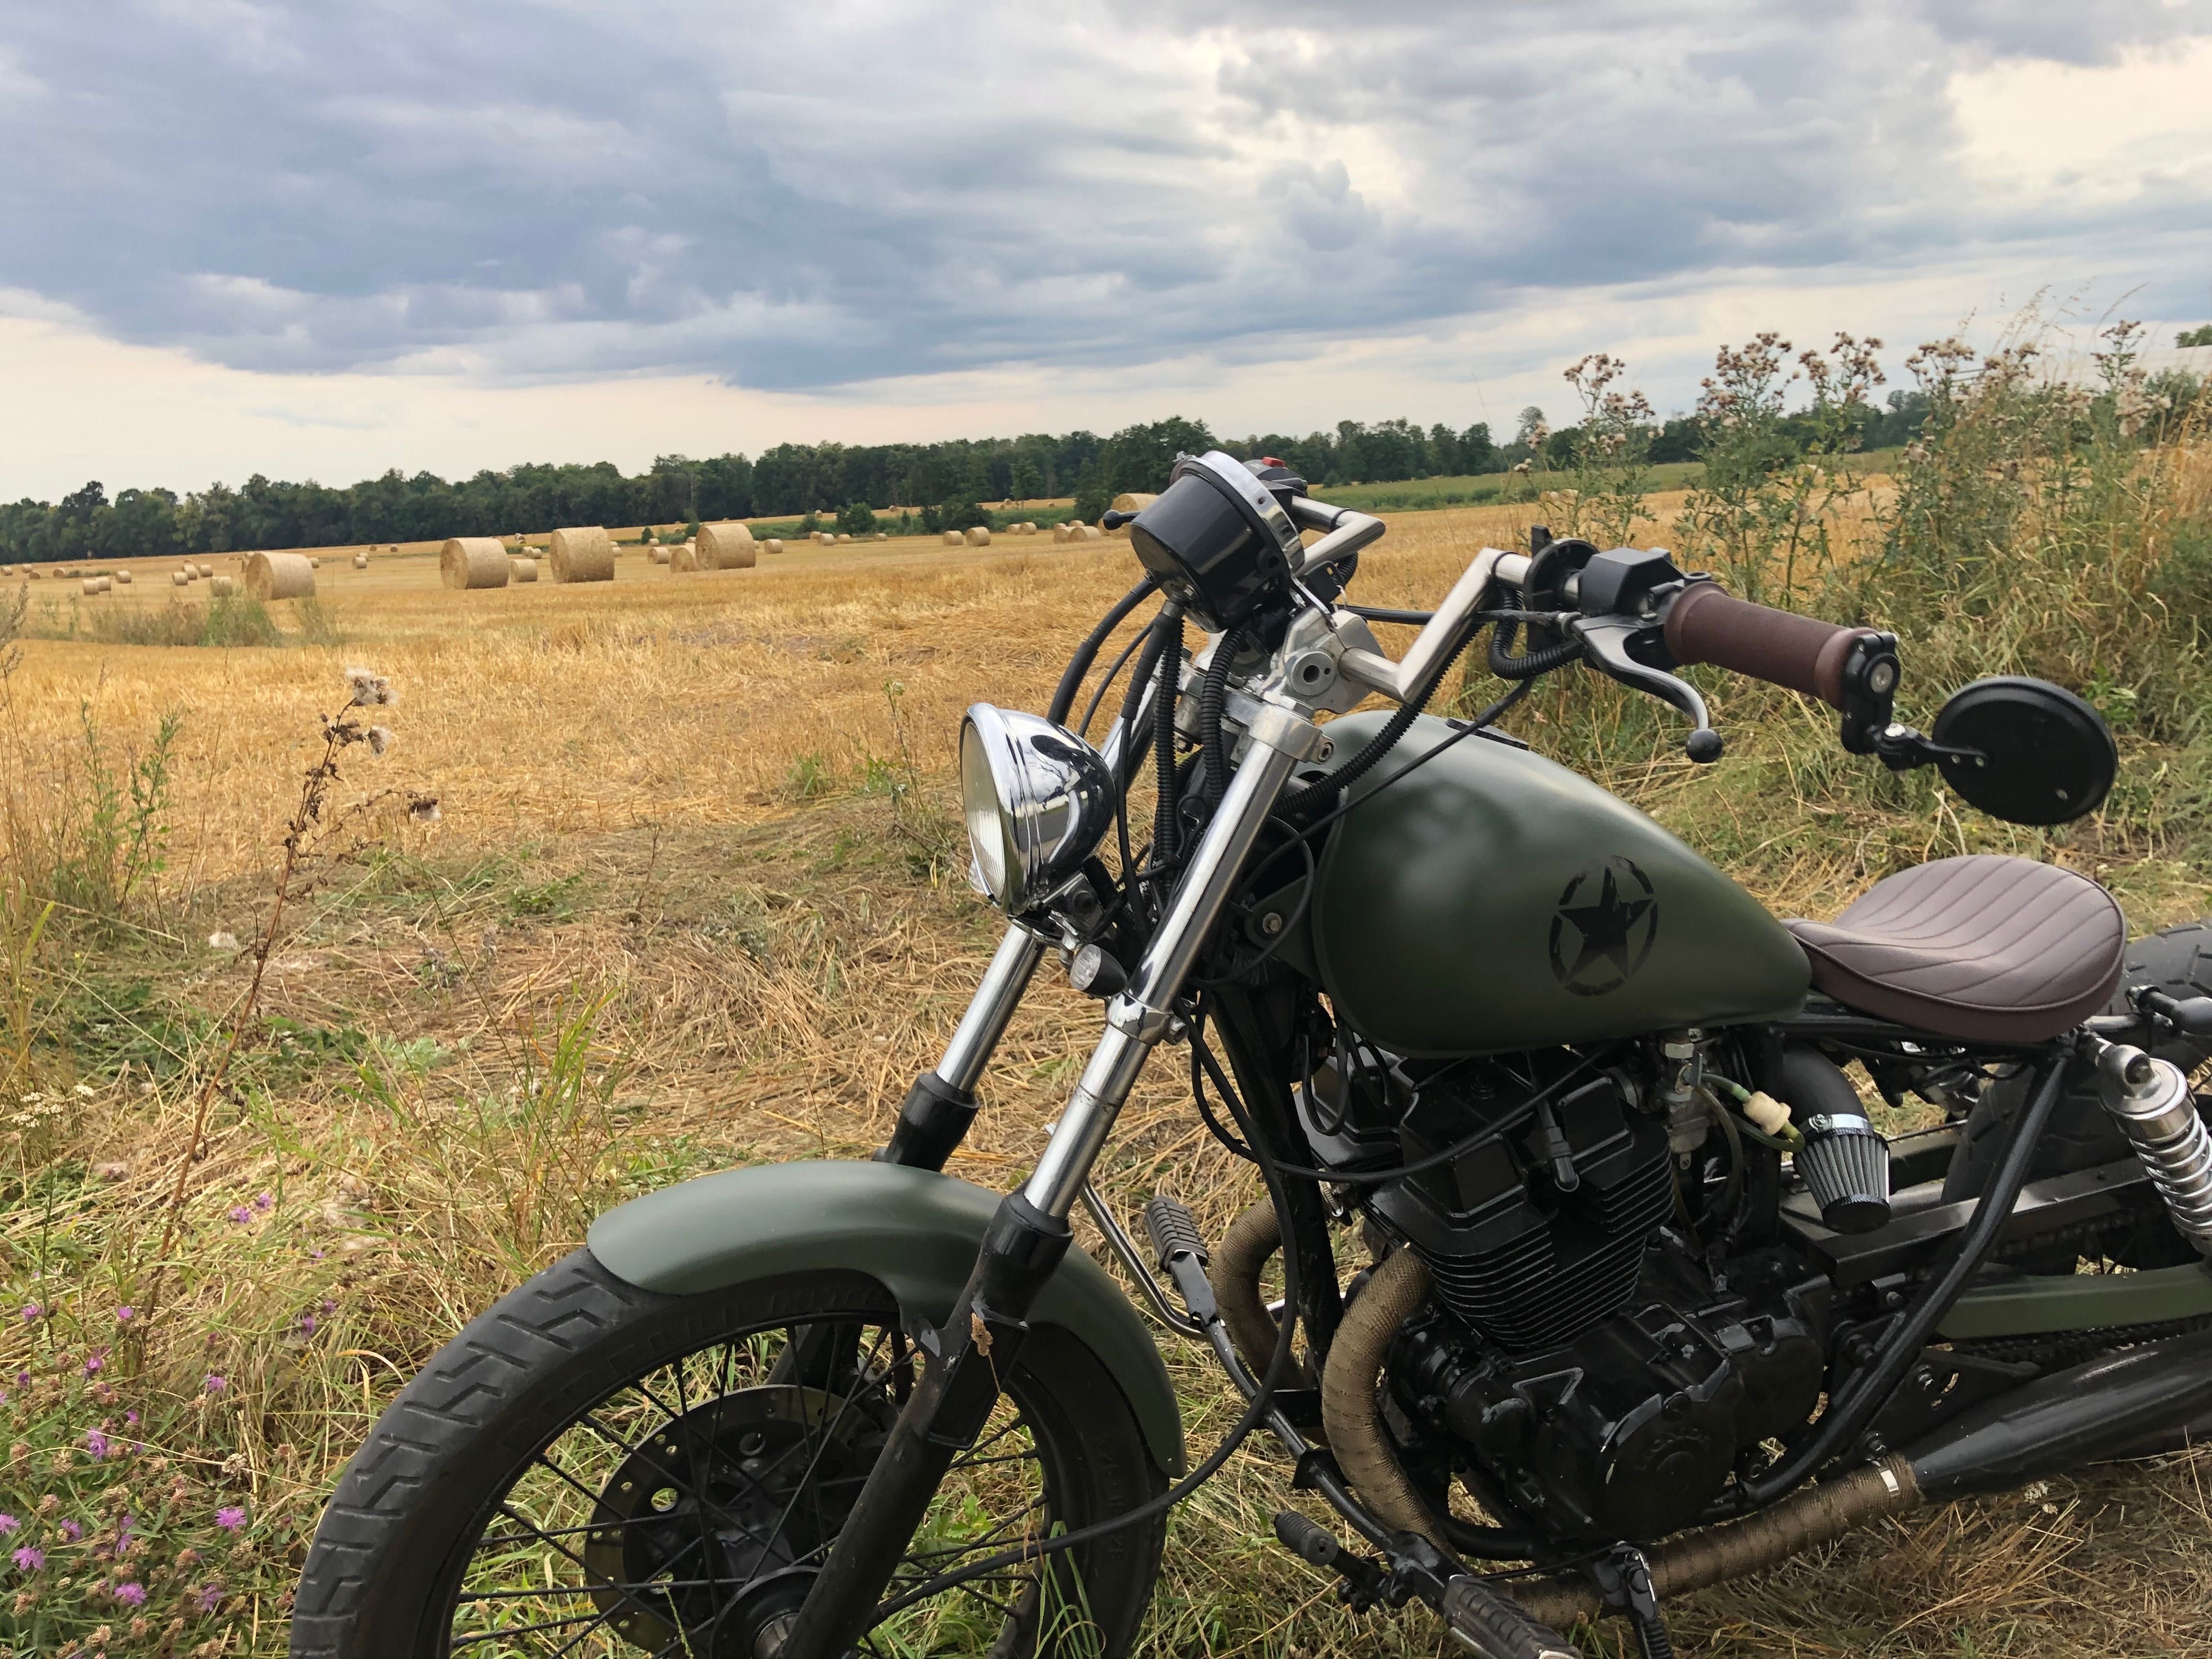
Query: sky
point(315, 240)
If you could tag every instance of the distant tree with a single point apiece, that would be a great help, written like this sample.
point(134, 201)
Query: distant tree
point(854, 520)
point(1092, 495)
point(1024, 483)
point(2195, 337)
point(1534, 429)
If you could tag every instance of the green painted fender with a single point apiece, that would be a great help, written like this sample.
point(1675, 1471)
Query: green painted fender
point(915, 1232)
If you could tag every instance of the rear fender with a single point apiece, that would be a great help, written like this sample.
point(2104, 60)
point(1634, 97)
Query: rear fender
point(914, 1232)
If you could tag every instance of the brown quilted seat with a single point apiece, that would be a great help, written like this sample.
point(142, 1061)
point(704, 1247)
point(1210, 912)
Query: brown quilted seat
point(1984, 949)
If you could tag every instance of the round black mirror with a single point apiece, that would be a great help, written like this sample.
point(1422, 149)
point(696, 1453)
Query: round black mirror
point(2040, 754)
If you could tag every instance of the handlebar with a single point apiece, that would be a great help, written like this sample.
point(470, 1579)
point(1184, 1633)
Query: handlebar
point(1705, 624)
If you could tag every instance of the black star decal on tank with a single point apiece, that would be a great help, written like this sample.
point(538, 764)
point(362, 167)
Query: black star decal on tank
point(1606, 923)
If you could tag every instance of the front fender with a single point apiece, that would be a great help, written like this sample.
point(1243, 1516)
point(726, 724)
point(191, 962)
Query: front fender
point(915, 1232)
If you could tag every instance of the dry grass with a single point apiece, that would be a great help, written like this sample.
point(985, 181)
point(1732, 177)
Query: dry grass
point(695, 855)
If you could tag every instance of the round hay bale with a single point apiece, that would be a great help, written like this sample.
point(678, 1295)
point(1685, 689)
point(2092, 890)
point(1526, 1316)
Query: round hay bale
point(1092, 532)
point(657, 554)
point(122, 579)
point(979, 537)
point(181, 579)
point(773, 544)
point(35, 575)
point(953, 538)
point(207, 569)
point(525, 570)
point(843, 540)
point(1132, 503)
point(279, 576)
point(466, 562)
point(361, 561)
point(728, 545)
point(92, 587)
point(685, 557)
point(583, 555)
point(223, 586)
point(1060, 532)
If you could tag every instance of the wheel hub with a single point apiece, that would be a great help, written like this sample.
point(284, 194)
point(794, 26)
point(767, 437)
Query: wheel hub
point(712, 1527)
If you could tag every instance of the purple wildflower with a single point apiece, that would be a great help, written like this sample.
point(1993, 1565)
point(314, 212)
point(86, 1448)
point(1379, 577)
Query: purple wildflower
point(29, 1559)
point(95, 1442)
point(96, 1362)
point(264, 1202)
point(131, 1419)
point(241, 1214)
point(125, 1313)
point(9, 1523)
point(307, 1324)
point(210, 1598)
point(32, 1313)
point(72, 1530)
point(131, 1594)
point(216, 1382)
point(230, 1517)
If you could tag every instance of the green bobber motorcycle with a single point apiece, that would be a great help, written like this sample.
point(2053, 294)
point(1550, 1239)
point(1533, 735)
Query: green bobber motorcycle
point(1591, 1260)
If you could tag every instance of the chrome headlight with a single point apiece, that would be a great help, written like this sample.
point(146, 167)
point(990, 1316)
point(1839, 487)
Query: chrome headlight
point(1038, 801)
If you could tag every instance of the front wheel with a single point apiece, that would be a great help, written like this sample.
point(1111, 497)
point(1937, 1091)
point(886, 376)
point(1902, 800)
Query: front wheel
point(594, 1470)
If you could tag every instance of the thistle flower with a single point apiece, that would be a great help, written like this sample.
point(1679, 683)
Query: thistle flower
point(96, 1442)
point(125, 1313)
point(131, 1593)
point(9, 1523)
point(30, 1560)
point(32, 1313)
point(379, 739)
point(241, 1214)
point(208, 1599)
point(369, 689)
point(96, 1362)
point(216, 1382)
point(72, 1530)
point(230, 1517)
point(264, 1202)
point(424, 809)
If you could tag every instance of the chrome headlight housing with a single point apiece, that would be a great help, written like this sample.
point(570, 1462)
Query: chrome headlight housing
point(1038, 801)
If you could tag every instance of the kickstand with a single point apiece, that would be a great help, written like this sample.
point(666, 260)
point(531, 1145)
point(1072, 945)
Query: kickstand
point(1623, 1578)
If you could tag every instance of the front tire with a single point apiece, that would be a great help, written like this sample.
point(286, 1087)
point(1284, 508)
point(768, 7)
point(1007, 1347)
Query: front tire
point(594, 1464)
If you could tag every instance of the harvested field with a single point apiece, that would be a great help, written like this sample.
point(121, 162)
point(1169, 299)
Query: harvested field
point(688, 849)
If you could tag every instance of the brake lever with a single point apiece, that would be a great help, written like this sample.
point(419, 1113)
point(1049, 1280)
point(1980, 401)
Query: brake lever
point(1605, 641)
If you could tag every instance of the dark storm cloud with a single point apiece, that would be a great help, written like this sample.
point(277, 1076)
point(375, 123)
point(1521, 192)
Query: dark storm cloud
point(794, 196)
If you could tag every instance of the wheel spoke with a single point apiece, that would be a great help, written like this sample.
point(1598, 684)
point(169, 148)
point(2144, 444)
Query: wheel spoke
point(680, 1573)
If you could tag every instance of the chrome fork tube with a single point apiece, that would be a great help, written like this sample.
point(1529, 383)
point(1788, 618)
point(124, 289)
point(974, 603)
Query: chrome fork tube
point(996, 998)
point(1138, 1018)
point(934, 1118)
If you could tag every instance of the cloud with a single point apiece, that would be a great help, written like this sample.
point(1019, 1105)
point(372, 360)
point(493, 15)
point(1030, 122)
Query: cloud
point(792, 198)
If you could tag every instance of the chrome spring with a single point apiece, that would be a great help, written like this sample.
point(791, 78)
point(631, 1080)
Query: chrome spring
point(2150, 1100)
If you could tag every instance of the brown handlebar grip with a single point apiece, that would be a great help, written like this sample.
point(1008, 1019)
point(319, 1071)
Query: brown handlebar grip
point(1703, 624)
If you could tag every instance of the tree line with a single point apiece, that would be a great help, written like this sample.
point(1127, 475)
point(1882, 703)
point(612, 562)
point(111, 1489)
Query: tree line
point(940, 483)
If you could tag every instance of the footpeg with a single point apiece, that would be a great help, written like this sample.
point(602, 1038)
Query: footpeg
point(1180, 1249)
point(1492, 1627)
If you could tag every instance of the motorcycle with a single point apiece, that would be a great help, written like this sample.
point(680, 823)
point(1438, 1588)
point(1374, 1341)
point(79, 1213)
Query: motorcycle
point(1598, 1281)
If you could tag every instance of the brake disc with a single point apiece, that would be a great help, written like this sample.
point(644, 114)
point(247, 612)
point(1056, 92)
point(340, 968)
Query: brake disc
point(714, 1524)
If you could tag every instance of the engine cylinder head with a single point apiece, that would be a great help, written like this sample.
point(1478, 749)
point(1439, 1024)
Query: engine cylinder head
point(2149, 1099)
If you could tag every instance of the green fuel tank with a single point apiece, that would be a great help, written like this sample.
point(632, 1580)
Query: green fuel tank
point(1494, 901)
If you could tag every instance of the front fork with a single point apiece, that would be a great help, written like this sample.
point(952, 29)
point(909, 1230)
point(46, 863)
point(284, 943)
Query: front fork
point(966, 1359)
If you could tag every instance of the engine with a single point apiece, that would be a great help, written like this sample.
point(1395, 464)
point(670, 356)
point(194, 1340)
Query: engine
point(1578, 1360)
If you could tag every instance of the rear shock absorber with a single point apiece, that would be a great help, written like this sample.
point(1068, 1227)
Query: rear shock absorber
point(2149, 1099)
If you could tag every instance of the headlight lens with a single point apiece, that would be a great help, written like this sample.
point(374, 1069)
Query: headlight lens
point(1037, 798)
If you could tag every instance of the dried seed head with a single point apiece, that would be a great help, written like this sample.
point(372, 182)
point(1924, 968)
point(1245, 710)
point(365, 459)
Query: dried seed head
point(379, 739)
